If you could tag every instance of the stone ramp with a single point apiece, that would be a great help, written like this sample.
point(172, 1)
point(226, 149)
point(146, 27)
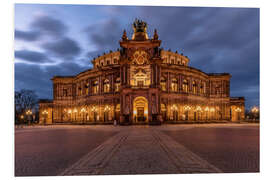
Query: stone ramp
point(146, 151)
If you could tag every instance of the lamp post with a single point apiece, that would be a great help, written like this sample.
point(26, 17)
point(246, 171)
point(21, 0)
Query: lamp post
point(45, 114)
point(83, 111)
point(94, 110)
point(212, 110)
point(187, 108)
point(207, 112)
point(106, 110)
point(174, 110)
point(255, 111)
point(28, 113)
point(75, 112)
point(199, 110)
point(22, 118)
point(238, 110)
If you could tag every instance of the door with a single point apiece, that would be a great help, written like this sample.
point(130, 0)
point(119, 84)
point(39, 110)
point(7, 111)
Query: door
point(140, 111)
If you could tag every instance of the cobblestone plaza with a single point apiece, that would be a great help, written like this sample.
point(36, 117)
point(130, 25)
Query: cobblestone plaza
point(116, 150)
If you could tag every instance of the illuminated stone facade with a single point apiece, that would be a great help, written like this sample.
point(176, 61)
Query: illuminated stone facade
point(141, 84)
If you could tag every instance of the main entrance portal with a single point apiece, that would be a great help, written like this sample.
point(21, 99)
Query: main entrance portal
point(140, 110)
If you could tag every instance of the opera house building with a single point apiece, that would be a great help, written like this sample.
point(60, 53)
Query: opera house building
point(141, 83)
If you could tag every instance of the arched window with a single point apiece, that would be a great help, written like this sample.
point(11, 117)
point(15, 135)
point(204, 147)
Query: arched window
point(163, 84)
point(117, 84)
point(95, 87)
point(185, 85)
point(86, 88)
point(174, 86)
point(202, 88)
point(194, 87)
point(79, 92)
point(106, 85)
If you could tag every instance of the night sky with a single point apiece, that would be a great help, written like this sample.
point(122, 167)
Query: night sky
point(62, 40)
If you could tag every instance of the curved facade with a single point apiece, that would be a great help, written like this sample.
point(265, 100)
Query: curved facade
point(141, 84)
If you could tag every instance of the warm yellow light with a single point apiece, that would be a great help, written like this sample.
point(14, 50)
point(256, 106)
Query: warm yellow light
point(212, 109)
point(94, 109)
point(69, 111)
point(198, 108)
point(22, 116)
point(238, 109)
point(83, 110)
point(145, 112)
point(174, 107)
point(28, 112)
point(75, 110)
point(107, 108)
point(255, 109)
point(187, 108)
point(207, 108)
point(134, 112)
point(45, 112)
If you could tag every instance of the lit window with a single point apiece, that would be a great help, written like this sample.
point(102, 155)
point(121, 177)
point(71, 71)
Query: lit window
point(163, 84)
point(194, 87)
point(106, 85)
point(174, 86)
point(86, 88)
point(185, 85)
point(95, 87)
point(202, 88)
point(117, 85)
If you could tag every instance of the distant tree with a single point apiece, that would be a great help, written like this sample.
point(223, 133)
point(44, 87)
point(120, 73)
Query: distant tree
point(24, 100)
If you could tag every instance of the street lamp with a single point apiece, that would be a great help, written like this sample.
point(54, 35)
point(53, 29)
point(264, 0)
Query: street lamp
point(207, 112)
point(238, 110)
point(94, 109)
point(28, 113)
point(199, 110)
point(75, 111)
point(212, 110)
point(45, 114)
point(106, 110)
point(174, 110)
point(255, 111)
point(187, 108)
point(83, 111)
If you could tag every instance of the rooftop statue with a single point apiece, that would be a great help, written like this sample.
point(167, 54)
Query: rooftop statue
point(140, 30)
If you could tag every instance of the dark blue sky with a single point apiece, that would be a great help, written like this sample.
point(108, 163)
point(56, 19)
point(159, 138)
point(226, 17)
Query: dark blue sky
point(62, 39)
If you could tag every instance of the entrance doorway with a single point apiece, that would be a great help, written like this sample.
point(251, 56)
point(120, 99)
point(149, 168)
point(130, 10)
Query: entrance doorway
point(140, 109)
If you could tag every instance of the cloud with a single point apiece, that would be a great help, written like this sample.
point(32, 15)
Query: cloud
point(31, 56)
point(49, 25)
point(105, 34)
point(37, 78)
point(27, 35)
point(215, 39)
point(64, 47)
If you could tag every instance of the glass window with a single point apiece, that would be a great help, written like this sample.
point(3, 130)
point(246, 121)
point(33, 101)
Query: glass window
point(174, 86)
point(185, 85)
point(117, 85)
point(163, 84)
point(194, 87)
point(95, 87)
point(106, 85)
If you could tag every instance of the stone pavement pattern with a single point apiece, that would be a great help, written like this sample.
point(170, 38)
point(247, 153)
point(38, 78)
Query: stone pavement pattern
point(166, 149)
point(139, 150)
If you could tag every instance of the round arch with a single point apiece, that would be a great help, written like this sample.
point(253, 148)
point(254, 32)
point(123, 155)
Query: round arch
point(140, 109)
